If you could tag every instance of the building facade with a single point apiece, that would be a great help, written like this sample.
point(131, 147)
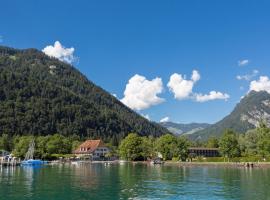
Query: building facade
point(203, 152)
point(93, 150)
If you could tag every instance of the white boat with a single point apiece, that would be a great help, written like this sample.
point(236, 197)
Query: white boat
point(157, 161)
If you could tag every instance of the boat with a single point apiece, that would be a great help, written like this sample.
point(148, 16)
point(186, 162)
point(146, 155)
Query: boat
point(29, 157)
point(157, 161)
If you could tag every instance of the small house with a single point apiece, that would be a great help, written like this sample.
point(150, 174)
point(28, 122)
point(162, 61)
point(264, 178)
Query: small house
point(92, 149)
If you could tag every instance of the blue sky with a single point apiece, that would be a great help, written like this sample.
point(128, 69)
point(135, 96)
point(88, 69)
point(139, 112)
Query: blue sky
point(114, 40)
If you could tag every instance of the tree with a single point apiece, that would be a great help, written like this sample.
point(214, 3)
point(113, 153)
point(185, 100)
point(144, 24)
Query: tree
point(41, 147)
point(75, 144)
point(131, 147)
point(167, 146)
point(5, 142)
point(249, 142)
point(58, 144)
point(228, 145)
point(263, 143)
point(182, 148)
point(21, 145)
point(212, 142)
point(147, 146)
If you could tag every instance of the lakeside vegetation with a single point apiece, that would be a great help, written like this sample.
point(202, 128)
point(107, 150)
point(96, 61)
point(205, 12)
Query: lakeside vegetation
point(252, 146)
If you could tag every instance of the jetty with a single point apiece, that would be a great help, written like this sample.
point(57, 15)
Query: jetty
point(12, 162)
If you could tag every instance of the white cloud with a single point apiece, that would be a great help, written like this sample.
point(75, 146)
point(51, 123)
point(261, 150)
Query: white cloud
point(165, 119)
point(213, 95)
point(180, 86)
point(248, 77)
point(243, 62)
point(146, 117)
point(263, 84)
point(141, 93)
point(60, 52)
point(115, 95)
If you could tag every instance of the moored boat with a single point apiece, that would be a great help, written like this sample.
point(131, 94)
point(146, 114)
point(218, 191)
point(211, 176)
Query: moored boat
point(157, 161)
point(29, 157)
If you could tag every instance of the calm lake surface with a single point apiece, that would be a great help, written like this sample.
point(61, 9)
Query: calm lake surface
point(133, 181)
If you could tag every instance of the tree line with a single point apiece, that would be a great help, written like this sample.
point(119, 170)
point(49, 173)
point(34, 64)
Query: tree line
point(255, 142)
point(46, 147)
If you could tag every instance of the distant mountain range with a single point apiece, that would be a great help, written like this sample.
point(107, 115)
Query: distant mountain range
point(41, 95)
point(252, 109)
point(184, 129)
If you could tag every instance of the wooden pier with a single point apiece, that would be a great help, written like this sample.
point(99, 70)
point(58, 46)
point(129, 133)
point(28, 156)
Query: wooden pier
point(10, 162)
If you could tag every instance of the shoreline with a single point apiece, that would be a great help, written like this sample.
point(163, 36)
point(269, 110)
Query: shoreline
point(222, 164)
point(248, 165)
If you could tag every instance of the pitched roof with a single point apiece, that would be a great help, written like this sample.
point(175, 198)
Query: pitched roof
point(89, 146)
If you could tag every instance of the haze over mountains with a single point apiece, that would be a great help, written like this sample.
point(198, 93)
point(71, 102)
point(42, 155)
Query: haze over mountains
point(184, 129)
point(41, 95)
point(248, 113)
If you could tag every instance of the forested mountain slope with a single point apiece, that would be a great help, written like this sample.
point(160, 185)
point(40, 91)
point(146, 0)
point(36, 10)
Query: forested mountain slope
point(41, 95)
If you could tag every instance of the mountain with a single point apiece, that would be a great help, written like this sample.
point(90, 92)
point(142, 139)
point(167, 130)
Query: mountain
point(252, 109)
point(184, 129)
point(41, 95)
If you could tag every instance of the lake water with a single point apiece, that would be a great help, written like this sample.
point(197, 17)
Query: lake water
point(133, 181)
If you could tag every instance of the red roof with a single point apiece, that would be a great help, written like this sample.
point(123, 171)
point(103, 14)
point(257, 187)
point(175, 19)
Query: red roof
point(89, 146)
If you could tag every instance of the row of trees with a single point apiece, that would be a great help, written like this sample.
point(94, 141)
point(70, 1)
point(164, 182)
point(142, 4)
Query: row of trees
point(134, 147)
point(255, 142)
point(46, 147)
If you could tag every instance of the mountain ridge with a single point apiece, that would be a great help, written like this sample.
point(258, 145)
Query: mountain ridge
point(247, 114)
point(42, 95)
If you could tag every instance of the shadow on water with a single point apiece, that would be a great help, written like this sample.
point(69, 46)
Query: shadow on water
point(132, 181)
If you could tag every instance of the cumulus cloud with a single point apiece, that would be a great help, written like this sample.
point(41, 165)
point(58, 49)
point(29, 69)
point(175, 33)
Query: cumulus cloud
point(60, 52)
point(180, 86)
point(165, 119)
point(146, 117)
point(248, 77)
point(213, 95)
point(243, 62)
point(263, 84)
point(183, 88)
point(141, 93)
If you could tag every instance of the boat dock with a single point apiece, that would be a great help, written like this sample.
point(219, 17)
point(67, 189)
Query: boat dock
point(10, 162)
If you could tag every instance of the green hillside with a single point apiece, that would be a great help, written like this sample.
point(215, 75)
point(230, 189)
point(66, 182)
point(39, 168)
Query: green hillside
point(40, 95)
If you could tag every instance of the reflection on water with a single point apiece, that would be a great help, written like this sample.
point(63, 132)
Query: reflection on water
point(133, 181)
